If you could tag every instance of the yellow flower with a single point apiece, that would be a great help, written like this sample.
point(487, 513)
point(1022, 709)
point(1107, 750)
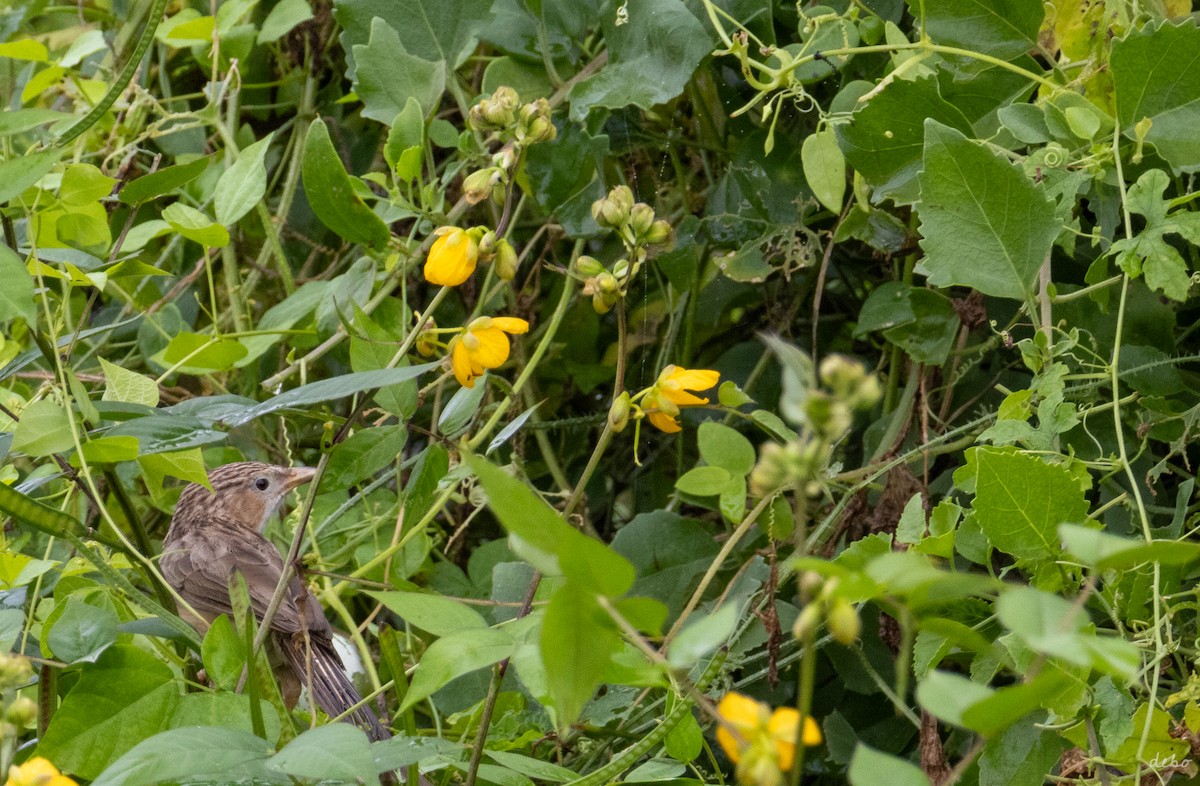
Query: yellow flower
point(662, 401)
point(37, 772)
point(482, 345)
point(766, 738)
point(452, 258)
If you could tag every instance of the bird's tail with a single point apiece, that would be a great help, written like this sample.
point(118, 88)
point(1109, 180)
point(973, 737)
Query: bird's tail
point(329, 687)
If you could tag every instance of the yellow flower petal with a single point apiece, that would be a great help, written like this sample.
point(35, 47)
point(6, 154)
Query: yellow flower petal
point(510, 324)
point(741, 711)
point(37, 772)
point(681, 397)
point(492, 349)
point(663, 421)
point(452, 258)
point(460, 362)
point(694, 379)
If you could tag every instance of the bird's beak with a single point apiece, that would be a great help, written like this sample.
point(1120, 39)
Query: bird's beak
point(298, 476)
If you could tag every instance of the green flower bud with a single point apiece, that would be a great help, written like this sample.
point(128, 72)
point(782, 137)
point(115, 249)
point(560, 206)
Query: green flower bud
point(15, 670)
point(588, 266)
point(772, 471)
point(659, 232)
point(807, 621)
point(641, 217)
point(496, 112)
point(478, 185)
point(844, 624)
point(607, 283)
point(22, 712)
point(506, 261)
point(811, 583)
point(621, 269)
point(487, 243)
point(540, 130)
point(602, 302)
point(618, 413)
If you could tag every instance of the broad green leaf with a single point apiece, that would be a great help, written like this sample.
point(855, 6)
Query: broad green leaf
point(1008, 705)
point(1001, 28)
point(167, 433)
point(338, 387)
point(531, 767)
point(406, 133)
point(243, 184)
point(387, 78)
point(18, 174)
point(121, 384)
point(1157, 745)
point(185, 754)
point(183, 464)
point(124, 697)
point(16, 296)
point(224, 653)
point(870, 767)
point(453, 656)
point(331, 194)
point(284, 16)
point(1103, 551)
point(825, 168)
point(920, 321)
point(1021, 500)
point(461, 408)
point(195, 225)
point(333, 752)
point(703, 635)
point(84, 183)
point(230, 710)
point(722, 446)
point(543, 539)
point(81, 632)
point(195, 353)
point(363, 454)
point(164, 181)
point(108, 450)
point(985, 225)
point(444, 32)
point(667, 43)
point(25, 49)
point(884, 140)
point(1022, 755)
point(436, 614)
point(948, 695)
point(16, 121)
point(685, 742)
point(1148, 70)
point(577, 640)
point(44, 429)
point(703, 481)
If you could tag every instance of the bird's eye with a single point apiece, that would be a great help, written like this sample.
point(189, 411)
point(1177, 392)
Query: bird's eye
point(262, 484)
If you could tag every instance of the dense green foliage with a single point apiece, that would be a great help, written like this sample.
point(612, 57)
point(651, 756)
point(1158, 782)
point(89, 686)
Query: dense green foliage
point(940, 252)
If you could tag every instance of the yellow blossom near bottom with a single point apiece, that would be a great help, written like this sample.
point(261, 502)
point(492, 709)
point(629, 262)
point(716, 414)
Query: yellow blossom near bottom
point(767, 744)
point(37, 772)
point(483, 344)
point(662, 400)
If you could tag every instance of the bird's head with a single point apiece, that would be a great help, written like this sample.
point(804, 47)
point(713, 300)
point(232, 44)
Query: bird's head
point(248, 491)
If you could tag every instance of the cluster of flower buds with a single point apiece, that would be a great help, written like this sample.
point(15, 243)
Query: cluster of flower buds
point(518, 126)
point(637, 226)
point(822, 602)
point(500, 253)
point(635, 222)
point(19, 712)
point(828, 414)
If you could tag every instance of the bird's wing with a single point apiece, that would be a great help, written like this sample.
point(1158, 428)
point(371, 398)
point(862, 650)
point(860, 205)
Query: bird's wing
point(199, 562)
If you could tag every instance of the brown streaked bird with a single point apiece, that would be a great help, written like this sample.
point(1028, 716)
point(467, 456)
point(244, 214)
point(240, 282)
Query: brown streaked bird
point(215, 534)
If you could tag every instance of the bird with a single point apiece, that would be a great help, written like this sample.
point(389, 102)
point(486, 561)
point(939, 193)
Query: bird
point(215, 534)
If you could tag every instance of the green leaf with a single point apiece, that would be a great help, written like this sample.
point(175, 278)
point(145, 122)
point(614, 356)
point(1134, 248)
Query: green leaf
point(243, 184)
point(685, 742)
point(19, 173)
point(703, 635)
point(363, 454)
point(167, 433)
point(460, 409)
point(985, 225)
point(164, 181)
point(1001, 28)
point(948, 695)
point(124, 697)
point(884, 140)
point(44, 429)
point(196, 353)
point(407, 133)
point(81, 632)
point(531, 767)
point(187, 465)
point(446, 31)
point(1020, 500)
point(1103, 551)
point(436, 614)
point(668, 43)
point(722, 446)
point(331, 194)
point(825, 168)
point(16, 296)
point(870, 767)
point(195, 225)
point(542, 538)
point(185, 754)
point(577, 640)
point(334, 752)
point(224, 653)
point(453, 656)
point(703, 481)
point(1150, 69)
point(230, 710)
point(128, 386)
point(386, 77)
point(338, 387)
point(282, 19)
point(83, 184)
